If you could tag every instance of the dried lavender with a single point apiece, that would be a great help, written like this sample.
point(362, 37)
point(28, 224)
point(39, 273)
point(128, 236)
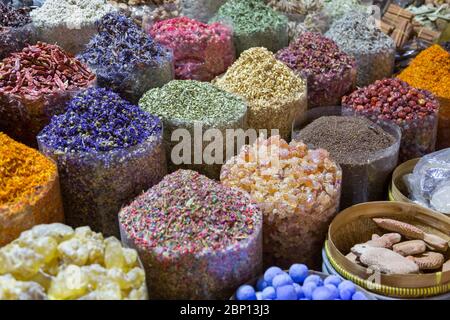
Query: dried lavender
point(374, 51)
point(15, 29)
point(330, 73)
point(107, 151)
point(126, 59)
point(254, 24)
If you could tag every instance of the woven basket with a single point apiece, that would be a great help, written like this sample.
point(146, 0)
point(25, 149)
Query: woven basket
point(397, 190)
point(354, 225)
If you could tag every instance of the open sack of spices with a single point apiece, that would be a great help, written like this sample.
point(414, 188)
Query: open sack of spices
point(107, 151)
point(298, 190)
point(56, 262)
point(201, 51)
point(329, 72)
point(366, 151)
point(126, 59)
point(430, 70)
point(303, 15)
point(405, 247)
point(429, 183)
point(16, 30)
point(254, 24)
point(190, 110)
point(274, 93)
point(373, 50)
point(35, 84)
point(29, 190)
point(197, 238)
point(201, 10)
point(414, 110)
point(69, 23)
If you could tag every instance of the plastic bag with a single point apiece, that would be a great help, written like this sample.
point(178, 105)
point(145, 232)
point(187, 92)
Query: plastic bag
point(96, 185)
point(200, 55)
point(22, 117)
point(201, 10)
point(430, 179)
point(15, 39)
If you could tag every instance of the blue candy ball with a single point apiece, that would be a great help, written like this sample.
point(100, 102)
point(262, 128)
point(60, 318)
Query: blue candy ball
point(261, 284)
point(322, 293)
point(317, 280)
point(259, 296)
point(286, 293)
point(271, 273)
point(334, 280)
point(359, 296)
point(281, 280)
point(299, 291)
point(346, 289)
point(333, 291)
point(269, 293)
point(246, 292)
point(308, 289)
point(298, 272)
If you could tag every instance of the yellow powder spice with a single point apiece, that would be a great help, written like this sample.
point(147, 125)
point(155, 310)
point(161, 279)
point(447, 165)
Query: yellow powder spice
point(430, 70)
point(23, 171)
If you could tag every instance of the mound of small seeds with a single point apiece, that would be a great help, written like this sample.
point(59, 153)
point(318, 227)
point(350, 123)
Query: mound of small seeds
point(297, 189)
point(182, 104)
point(330, 73)
point(58, 263)
point(196, 237)
point(274, 93)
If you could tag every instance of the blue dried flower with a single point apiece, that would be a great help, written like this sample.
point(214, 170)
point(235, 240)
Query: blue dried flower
point(99, 120)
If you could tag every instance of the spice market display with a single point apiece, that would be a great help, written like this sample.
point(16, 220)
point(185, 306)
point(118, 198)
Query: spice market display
point(197, 238)
point(225, 150)
point(108, 151)
point(125, 59)
point(201, 51)
point(16, 30)
point(36, 84)
point(29, 189)
point(254, 24)
point(274, 93)
point(329, 72)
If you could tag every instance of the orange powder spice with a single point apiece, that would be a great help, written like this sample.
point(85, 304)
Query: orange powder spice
point(23, 171)
point(430, 70)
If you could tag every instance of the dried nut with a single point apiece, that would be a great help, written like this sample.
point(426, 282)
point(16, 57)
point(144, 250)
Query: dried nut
point(412, 232)
point(428, 260)
point(410, 248)
point(384, 260)
point(385, 241)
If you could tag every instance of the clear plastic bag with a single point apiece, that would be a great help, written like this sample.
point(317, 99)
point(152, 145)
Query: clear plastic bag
point(15, 39)
point(22, 117)
point(211, 274)
point(96, 185)
point(418, 135)
point(201, 10)
point(201, 56)
point(46, 208)
point(361, 182)
point(430, 179)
